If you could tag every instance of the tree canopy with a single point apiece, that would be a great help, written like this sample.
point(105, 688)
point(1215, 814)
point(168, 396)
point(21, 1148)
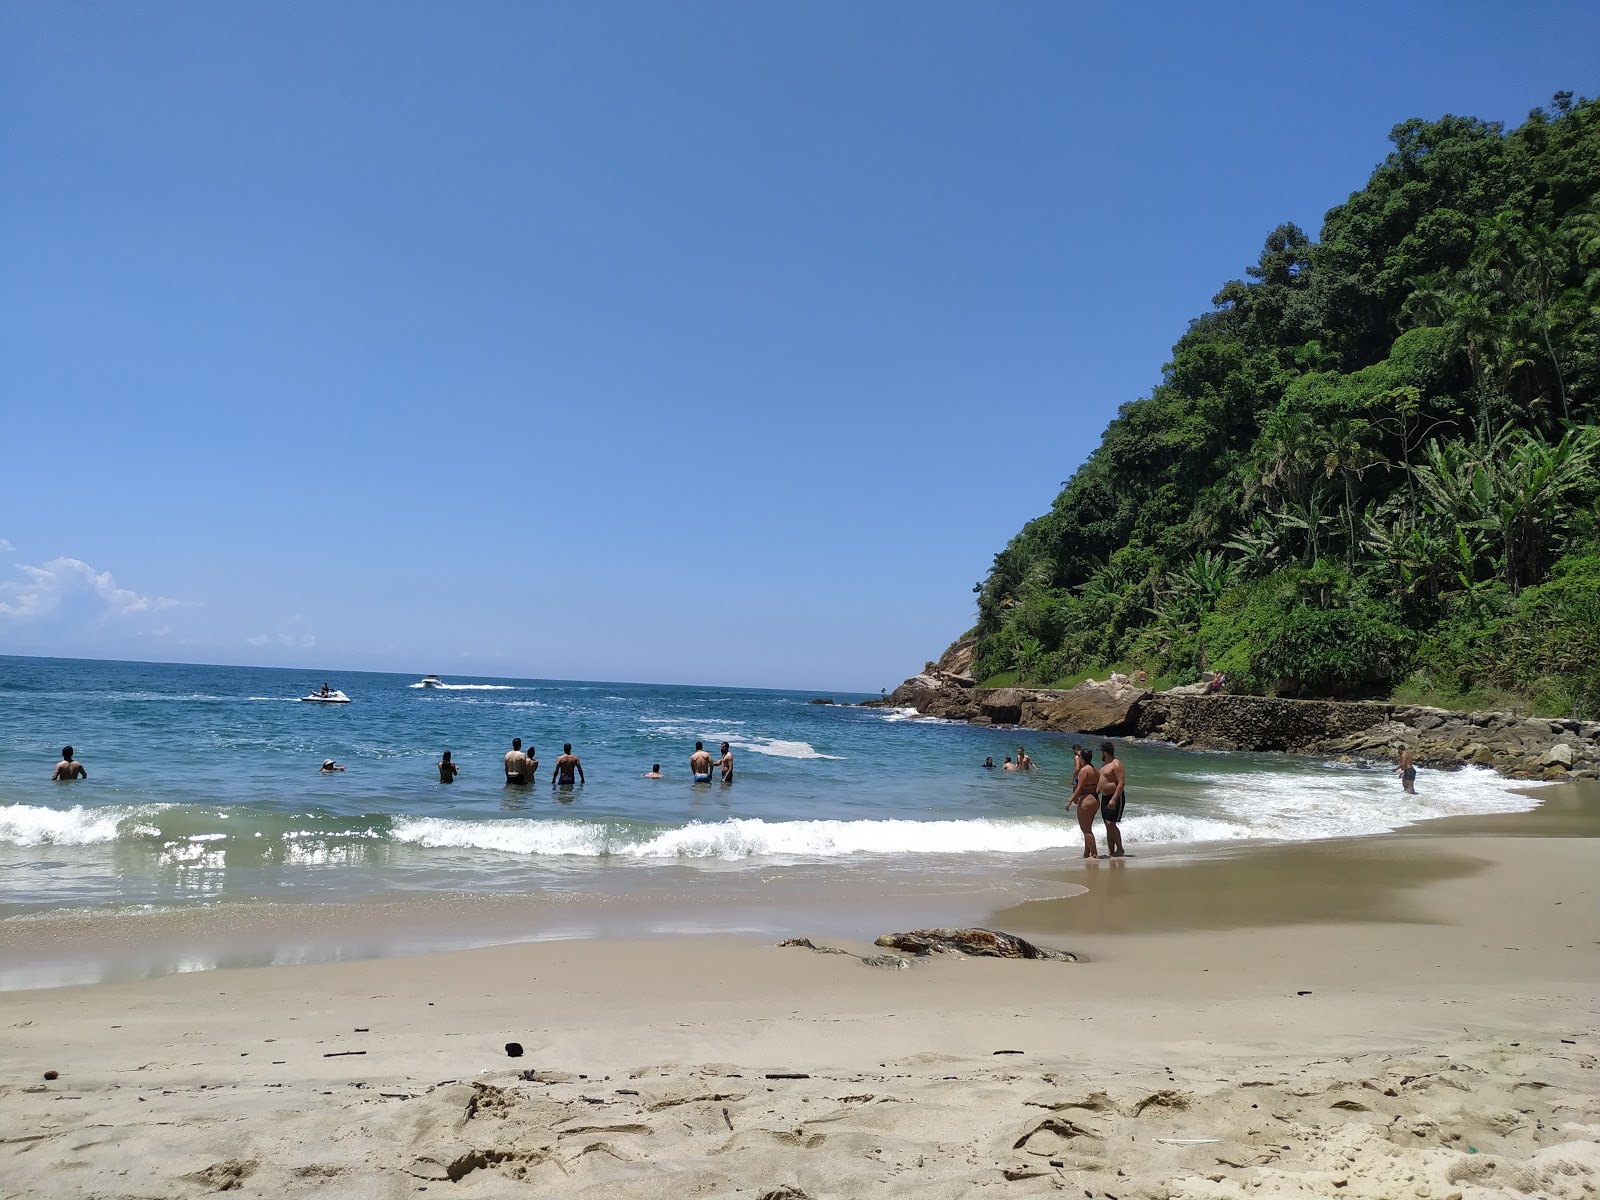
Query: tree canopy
point(1371, 468)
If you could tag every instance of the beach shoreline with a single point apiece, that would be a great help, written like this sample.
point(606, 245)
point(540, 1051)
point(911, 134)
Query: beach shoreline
point(1402, 1049)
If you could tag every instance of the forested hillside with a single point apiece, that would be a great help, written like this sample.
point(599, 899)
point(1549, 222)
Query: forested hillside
point(1372, 468)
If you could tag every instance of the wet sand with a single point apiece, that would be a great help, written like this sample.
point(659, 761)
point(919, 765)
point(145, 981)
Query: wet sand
point(1244, 1026)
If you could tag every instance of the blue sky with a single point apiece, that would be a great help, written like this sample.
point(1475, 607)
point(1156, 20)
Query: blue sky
point(685, 342)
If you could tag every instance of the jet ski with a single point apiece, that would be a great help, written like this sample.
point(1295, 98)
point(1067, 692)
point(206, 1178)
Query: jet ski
point(335, 697)
point(431, 681)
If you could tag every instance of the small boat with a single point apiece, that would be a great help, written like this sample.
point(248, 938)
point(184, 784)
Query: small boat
point(334, 697)
point(431, 681)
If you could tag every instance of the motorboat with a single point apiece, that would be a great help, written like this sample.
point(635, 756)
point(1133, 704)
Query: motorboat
point(431, 681)
point(334, 697)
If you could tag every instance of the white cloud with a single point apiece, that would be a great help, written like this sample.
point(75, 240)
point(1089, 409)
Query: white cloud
point(71, 581)
point(5, 545)
point(289, 641)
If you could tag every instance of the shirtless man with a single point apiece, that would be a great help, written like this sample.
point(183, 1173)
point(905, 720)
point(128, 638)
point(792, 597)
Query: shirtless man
point(1407, 771)
point(1008, 765)
point(1024, 763)
point(67, 769)
point(1113, 797)
point(654, 772)
point(447, 769)
point(518, 768)
point(726, 763)
point(700, 764)
point(566, 766)
point(1086, 799)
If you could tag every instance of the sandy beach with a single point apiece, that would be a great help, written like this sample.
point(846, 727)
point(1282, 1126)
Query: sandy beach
point(1244, 1025)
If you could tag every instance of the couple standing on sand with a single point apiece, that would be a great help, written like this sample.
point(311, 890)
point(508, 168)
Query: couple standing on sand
point(700, 764)
point(1103, 790)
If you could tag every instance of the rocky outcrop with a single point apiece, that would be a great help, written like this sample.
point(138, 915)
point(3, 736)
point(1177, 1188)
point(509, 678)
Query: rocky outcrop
point(1521, 747)
point(1253, 722)
point(1107, 709)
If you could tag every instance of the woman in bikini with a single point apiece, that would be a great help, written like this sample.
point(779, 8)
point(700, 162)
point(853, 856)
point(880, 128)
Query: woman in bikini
point(1086, 799)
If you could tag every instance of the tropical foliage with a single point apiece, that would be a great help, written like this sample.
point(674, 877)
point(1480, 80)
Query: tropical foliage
point(1373, 464)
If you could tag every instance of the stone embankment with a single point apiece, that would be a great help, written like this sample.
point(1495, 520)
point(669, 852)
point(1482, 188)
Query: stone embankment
point(1520, 747)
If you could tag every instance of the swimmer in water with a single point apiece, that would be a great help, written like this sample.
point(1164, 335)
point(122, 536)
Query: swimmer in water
point(654, 772)
point(68, 768)
point(726, 763)
point(447, 769)
point(329, 767)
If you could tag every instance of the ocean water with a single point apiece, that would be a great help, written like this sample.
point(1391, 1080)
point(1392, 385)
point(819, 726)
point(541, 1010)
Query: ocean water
point(204, 788)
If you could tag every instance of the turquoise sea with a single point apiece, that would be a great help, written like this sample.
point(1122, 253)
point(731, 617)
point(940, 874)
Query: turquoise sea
point(204, 789)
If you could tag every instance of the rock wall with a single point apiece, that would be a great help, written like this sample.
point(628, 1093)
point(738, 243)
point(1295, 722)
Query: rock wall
point(1521, 747)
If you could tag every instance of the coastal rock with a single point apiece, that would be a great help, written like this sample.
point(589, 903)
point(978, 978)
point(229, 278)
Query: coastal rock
point(1559, 755)
point(979, 943)
point(819, 700)
point(1003, 706)
point(1091, 707)
point(1232, 722)
point(1516, 746)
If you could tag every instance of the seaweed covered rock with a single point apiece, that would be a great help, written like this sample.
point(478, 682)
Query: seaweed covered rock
point(979, 943)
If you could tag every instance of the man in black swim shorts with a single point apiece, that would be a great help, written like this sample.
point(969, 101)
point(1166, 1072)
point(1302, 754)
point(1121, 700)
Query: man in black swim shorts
point(1113, 797)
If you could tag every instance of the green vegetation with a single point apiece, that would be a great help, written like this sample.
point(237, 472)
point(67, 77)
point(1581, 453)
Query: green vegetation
point(1372, 468)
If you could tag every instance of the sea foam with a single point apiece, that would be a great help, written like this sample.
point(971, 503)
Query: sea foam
point(35, 825)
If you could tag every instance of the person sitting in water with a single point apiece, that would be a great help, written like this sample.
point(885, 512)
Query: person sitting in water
point(329, 767)
point(726, 763)
point(447, 769)
point(68, 769)
point(1008, 765)
point(654, 772)
point(518, 770)
point(700, 764)
point(566, 766)
point(988, 764)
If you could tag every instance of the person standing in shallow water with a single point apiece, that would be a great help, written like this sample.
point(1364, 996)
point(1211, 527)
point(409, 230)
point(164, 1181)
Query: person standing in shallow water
point(517, 763)
point(566, 766)
point(1086, 799)
point(1113, 797)
point(448, 769)
point(68, 769)
point(1407, 771)
point(726, 763)
point(700, 764)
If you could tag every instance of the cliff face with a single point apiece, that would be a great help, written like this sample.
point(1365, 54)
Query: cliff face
point(1521, 747)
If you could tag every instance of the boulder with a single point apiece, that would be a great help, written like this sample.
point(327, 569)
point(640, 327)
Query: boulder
point(819, 700)
point(1109, 709)
point(1559, 755)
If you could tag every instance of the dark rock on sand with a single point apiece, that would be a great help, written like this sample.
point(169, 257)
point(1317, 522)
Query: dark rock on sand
point(979, 943)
